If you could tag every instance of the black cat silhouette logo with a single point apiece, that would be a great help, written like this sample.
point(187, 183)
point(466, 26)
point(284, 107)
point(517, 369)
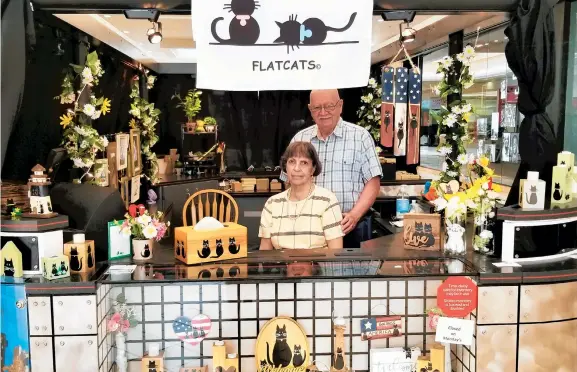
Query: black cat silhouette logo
point(245, 30)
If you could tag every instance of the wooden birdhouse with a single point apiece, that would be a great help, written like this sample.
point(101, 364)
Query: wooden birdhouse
point(11, 260)
point(152, 363)
point(39, 194)
point(222, 361)
point(81, 254)
point(433, 361)
point(198, 246)
point(55, 267)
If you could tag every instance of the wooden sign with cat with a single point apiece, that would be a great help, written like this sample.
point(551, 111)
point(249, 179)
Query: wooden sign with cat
point(422, 231)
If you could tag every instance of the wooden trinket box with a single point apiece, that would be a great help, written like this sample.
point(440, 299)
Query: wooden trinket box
point(275, 185)
point(236, 186)
point(81, 255)
point(149, 363)
point(55, 267)
point(422, 231)
point(200, 246)
point(262, 184)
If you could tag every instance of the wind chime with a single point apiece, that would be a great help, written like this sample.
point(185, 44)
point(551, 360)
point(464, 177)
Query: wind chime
point(401, 108)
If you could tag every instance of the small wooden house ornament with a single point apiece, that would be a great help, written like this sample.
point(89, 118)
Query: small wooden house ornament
point(153, 361)
point(10, 260)
point(221, 362)
point(433, 361)
point(55, 267)
point(81, 254)
point(339, 358)
point(39, 194)
point(422, 231)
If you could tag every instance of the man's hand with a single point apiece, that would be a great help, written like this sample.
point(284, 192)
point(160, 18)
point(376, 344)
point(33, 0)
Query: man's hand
point(349, 222)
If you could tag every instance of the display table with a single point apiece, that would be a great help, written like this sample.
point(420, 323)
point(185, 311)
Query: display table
point(525, 315)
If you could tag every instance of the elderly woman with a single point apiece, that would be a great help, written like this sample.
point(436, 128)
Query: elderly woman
point(305, 216)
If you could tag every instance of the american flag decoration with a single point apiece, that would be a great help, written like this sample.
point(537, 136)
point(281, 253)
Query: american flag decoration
point(381, 327)
point(414, 116)
point(387, 107)
point(192, 331)
point(401, 88)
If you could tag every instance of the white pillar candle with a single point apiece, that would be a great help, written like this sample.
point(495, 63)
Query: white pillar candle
point(232, 356)
point(78, 238)
point(340, 321)
point(153, 350)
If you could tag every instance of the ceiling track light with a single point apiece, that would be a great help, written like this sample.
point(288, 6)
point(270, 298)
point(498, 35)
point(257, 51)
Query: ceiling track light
point(406, 34)
point(155, 33)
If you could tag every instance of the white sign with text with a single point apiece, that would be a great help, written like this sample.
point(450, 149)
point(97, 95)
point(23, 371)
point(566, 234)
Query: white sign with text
point(455, 331)
point(250, 45)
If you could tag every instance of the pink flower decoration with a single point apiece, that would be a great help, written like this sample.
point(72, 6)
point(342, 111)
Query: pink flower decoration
point(124, 325)
point(433, 320)
point(113, 323)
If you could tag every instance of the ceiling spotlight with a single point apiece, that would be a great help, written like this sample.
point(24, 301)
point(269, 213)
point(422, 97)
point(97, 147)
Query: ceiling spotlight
point(407, 34)
point(155, 33)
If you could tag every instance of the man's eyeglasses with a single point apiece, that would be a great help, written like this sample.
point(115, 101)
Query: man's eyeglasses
point(328, 107)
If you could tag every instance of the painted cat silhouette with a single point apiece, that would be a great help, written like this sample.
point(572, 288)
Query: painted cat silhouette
point(413, 122)
point(152, 366)
point(281, 352)
point(298, 358)
point(532, 196)
point(400, 134)
point(558, 194)
point(243, 29)
point(312, 31)
point(219, 248)
point(234, 271)
point(339, 361)
point(178, 247)
point(205, 250)
point(232, 247)
point(55, 271)
point(90, 258)
point(75, 262)
point(9, 267)
point(146, 252)
point(428, 232)
point(63, 267)
point(387, 120)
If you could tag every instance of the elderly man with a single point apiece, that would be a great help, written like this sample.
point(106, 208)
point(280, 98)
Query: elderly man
point(350, 166)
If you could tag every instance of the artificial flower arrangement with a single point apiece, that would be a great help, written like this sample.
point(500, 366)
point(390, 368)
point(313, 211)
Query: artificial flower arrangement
point(433, 315)
point(145, 118)
point(370, 112)
point(142, 225)
point(81, 141)
point(454, 119)
point(123, 317)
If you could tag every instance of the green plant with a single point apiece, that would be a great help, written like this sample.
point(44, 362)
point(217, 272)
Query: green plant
point(145, 118)
point(209, 120)
point(81, 141)
point(190, 104)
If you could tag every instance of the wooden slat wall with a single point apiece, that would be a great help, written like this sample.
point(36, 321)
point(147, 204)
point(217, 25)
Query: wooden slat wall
point(17, 192)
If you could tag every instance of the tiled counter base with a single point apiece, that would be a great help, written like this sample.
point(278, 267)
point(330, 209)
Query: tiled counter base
point(239, 310)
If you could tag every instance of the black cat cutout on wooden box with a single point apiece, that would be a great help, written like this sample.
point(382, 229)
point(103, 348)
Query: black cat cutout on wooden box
point(282, 343)
point(55, 267)
point(81, 255)
point(212, 271)
point(422, 231)
point(199, 246)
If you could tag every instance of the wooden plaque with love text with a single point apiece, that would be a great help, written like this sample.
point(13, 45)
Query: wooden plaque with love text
point(422, 231)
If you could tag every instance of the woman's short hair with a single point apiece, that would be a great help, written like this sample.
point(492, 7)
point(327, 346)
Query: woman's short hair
point(305, 150)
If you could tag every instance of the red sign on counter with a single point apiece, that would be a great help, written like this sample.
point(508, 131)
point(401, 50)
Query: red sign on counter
point(457, 296)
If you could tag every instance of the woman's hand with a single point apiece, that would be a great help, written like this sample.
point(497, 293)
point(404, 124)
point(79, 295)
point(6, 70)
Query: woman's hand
point(266, 244)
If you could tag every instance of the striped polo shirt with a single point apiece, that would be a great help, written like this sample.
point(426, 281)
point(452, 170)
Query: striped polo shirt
point(348, 159)
point(305, 224)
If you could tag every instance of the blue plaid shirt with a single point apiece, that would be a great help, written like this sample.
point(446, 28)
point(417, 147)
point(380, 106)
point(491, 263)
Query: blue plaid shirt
point(348, 159)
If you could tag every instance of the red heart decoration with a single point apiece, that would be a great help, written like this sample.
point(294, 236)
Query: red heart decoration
point(136, 210)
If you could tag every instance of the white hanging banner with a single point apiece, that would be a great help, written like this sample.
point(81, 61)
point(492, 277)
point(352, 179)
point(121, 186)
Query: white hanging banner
point(255, 45)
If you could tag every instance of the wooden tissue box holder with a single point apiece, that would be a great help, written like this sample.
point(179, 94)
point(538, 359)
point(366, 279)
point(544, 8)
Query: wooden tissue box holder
point(196, 247)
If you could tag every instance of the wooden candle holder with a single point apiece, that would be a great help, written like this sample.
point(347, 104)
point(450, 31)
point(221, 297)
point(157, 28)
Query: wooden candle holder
point(149, 363)
point(11, 261)
point(220, 361)
point(433, 361)
point(339, 358)
point(81, 256)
